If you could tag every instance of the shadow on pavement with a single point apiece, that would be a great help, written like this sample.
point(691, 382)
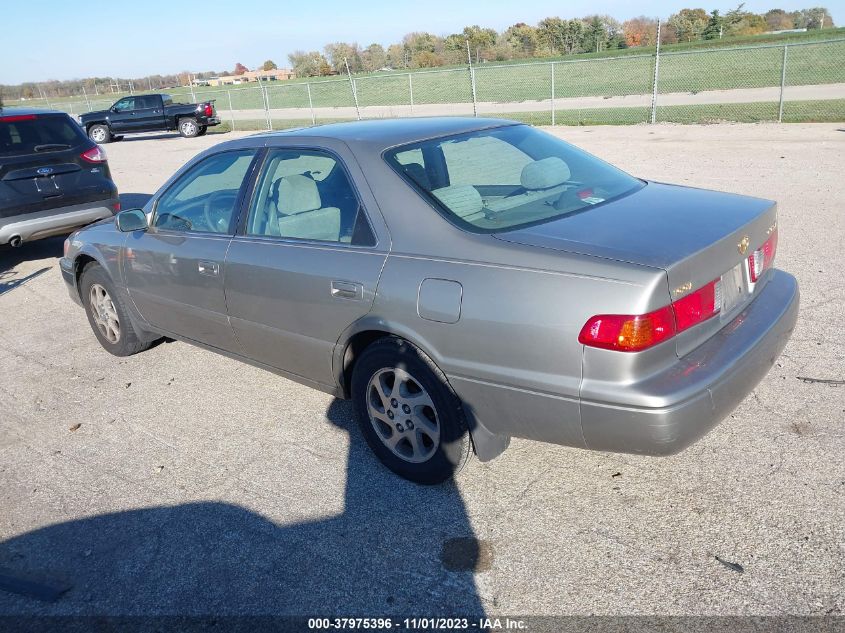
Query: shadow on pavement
point(383, 554)
point(49, 248)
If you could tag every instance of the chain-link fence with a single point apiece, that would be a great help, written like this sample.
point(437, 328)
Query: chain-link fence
point(787, 82)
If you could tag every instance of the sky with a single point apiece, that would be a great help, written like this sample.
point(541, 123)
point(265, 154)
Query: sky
point(67, 40)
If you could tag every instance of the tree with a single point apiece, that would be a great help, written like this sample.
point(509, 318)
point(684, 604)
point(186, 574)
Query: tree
point(269, 65)
point(689, 24)
point(240, 69)
point(309, 64)
point(397, 56)
point(640, 31)
point(480, 40)
point(339, 54)
point(740, 22)
point(426, 59)
point(373, 58)
point(778, 20)
point(815, 18)
point(713, 30)
point(550, 34)
point(521, 40)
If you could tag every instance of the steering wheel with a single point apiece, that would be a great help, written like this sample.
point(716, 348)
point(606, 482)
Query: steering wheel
point(221, 223)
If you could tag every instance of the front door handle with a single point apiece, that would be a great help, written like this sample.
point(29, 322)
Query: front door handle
point(212, 269)
point(347, 290)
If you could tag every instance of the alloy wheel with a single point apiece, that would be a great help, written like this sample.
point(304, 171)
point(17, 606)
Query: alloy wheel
point(104, 313)
point(403, 415)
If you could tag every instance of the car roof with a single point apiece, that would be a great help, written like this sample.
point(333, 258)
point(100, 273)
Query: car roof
point(386, 133)
point(18, 111)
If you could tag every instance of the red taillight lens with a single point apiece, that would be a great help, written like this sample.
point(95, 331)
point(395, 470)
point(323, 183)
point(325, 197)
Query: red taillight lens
point(762, 258)
point(698, 306)
point(628, 333)
point(17, 117)
point(116, 207)
point(633, 333)
point(208, 109)
point(94, 155)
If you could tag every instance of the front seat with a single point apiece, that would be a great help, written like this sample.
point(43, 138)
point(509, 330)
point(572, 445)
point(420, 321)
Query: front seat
point(299, 211)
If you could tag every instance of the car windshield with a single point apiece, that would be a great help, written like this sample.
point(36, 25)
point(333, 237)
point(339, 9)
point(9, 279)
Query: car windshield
point(30, 133)
point(504, 178)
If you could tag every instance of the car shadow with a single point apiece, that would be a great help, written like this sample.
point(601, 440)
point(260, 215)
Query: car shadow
point(48, 248)
point(396, 548)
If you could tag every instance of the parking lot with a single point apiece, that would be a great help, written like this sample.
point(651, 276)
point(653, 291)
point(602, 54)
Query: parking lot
point(181, 482)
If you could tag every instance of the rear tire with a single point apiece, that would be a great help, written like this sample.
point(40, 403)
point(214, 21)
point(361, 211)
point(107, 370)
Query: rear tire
point(188, 127)
point(203, 130)
point(408, 413)
point(100, 133)
point(106, 313)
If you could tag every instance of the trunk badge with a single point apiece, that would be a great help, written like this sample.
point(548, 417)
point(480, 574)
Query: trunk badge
point(743, 245)
point(44, 171)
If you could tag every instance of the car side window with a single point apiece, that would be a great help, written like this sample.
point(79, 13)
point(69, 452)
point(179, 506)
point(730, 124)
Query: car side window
point(306, 194)
point(125, 104)
point(206, 196)
point(483, 160)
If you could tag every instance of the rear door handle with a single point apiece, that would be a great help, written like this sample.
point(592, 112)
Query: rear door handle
point(347, 290)
point(208, 268)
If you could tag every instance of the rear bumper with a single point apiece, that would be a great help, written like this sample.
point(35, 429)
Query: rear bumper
point(704, 387)
point(35, 226)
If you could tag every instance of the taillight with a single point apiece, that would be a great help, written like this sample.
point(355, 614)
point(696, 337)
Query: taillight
point(17, 117)
point(762, 258)
point(698, 306)
point(633, 333)
point(94, 155)
point(208, 109)
point(628, 333)
point(116, 207)
point(67, 246)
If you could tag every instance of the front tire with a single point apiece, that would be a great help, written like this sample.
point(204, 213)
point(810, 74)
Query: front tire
point(99, 133)
point(107, 315)
point(408, 413)
point(189, 128)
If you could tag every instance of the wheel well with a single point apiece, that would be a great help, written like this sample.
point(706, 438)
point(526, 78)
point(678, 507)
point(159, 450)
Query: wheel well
point(357, 344)
point(79, 265)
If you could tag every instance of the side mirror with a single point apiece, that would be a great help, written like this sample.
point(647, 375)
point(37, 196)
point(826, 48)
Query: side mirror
point(131, 220)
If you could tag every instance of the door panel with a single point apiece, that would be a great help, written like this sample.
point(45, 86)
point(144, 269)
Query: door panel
point(149, 114)
point(171, 280)
point(175, 269)
point(284, 303)
point(307, 267)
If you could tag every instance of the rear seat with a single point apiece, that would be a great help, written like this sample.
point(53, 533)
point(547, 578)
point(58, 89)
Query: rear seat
point(542, 180)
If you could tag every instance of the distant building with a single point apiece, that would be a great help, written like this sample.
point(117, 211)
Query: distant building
point(280, 74)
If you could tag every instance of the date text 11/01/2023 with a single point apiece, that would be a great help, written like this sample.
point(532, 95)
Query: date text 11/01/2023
point(418, 624)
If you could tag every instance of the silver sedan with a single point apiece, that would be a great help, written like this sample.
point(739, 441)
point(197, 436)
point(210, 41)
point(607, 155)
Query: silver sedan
point(464, 281)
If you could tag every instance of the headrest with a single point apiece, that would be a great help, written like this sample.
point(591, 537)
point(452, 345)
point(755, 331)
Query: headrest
point(298, 194)
point(545, 173)
point(462, 200)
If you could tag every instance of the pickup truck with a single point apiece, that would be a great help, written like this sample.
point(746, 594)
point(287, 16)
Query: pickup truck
point(149, 113)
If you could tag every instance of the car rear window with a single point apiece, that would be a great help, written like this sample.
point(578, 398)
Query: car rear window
point(29, 134)
point(505, 178)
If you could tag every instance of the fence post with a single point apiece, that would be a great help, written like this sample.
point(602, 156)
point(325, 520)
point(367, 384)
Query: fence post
point(191, 86)
point(266, 99)
point(782, 83)
point(552, 64)
point(311, 104)
point(70, 106)
point(411, 90)
point(354, 91)
point(472, 81)
point(656, 76)
point(87, 103)
point(231, 110)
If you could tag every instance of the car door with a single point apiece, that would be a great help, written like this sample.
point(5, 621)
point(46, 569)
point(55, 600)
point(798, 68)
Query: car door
point(122, 118)
point(149, 114)
point(305, 262)
point(174, 270)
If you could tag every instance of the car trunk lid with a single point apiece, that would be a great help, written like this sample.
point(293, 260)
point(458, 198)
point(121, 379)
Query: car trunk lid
point(695, 235)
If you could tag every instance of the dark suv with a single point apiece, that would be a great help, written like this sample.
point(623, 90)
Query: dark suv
point(53, 178)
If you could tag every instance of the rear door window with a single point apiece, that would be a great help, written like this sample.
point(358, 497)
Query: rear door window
point(30, 134)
